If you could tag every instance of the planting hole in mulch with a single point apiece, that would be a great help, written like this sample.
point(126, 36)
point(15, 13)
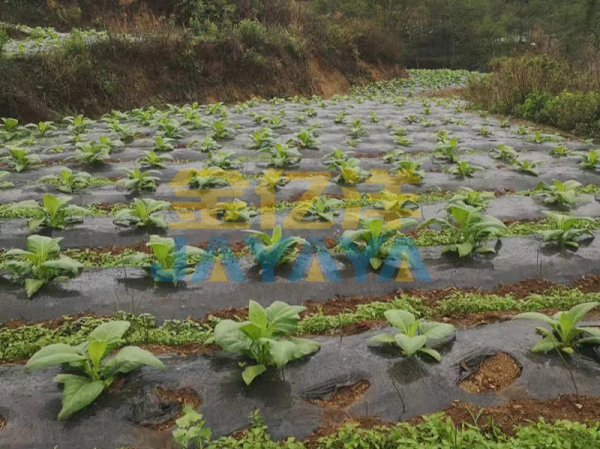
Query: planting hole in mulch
point(494, 374)
point(167, 407)
point(2, 422)
point(343, 396)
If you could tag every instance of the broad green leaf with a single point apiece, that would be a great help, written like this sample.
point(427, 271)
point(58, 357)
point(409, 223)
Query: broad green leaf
point(257, 315)
point(130, 358)
point(382, 339)
point(283, 318)
point(228, 336)
point(546, 344)
point(436, 330)
point(53, 355)
point(34, 223)
point(535, 316)
point(410, 345)
point(111, 332)
point(252, 372)
point(96, 351)
point(32, 285)
point(432, 353)
point(78, 392)
point(64, 263)
point(400, 319)
point(580, 310)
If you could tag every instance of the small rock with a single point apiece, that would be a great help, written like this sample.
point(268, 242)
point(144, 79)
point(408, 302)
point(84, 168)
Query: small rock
point(579, 406)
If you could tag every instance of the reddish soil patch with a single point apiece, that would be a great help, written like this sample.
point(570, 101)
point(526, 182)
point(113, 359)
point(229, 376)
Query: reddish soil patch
point(495, 373)
point(506, 417)
point(166, 398)
point(344, 396)
point(183, 350)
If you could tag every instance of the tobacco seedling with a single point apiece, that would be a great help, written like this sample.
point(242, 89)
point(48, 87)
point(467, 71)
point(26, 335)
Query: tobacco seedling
point(557, 193)
point(90, 358)
point(372, 238)
point(209, 144)
point(146, 213)
point(559, 151)
point(263, 338)
point(19, 159)
point(42, 129)
point(222, 159)
point(163, 144)
point(91, 152)
point(411, 170)
point(590, 161)
point(349, 172)
point(484, 131)
point(393, 156)
point(538, 137)
point(282, 155)
point(447, 149)
point(222, 130)
point(403, 141)
point(464, 170)
point(336, 157)
point(78, 125)
point(169, 128)
point(208, 178)
point(263, 138)
point(468, 228)
point(564, 335)
point(472, 197)
point(272, 250)
point(305, 139)
point(55, 212)
point(356, 129)
point(272, 179)
point(322, 208)
point(66, 181)
point(504, 153)
point(140, 181)
point(413, 334)
point(566, 229)
point(5, 184)
point(402, 205)
point(191, 430)
point(233, 211)
point(154, 160)
point(40, 264)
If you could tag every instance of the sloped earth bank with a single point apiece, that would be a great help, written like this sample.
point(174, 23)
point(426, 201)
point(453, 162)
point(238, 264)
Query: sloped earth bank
point(399, 389)
point(345, 378)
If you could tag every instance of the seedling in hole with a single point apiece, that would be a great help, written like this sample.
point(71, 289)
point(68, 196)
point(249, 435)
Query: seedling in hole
point(566, 229)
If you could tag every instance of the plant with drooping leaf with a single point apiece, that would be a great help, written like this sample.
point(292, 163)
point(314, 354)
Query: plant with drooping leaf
point(10, 125)
point(538, 137)
point(55, 212)
point(208, 178)
point(413, 334)
point(590, 160)
point(42, 129)
point(222, 130)
point(145, 213)
point(282, 155)
point(403, 141)
point(402, 205)
point(468, 228)
point(559, 151)
point(527, 167)
point(337, 156)
point(563, 193)
point(462, 169)
point(78, 125)
point(5, 184)
point(272, 250)
point(154, 160)
point(321, 208)
point(223, 159)
point(66, 181)
point(96, 371)
point(209, 144)
point(40, 264)
point(566, 229)
point(162, 144)
point(170, 128)
point(410, 170)
point(393, 156)
point(350, 172)
point(305, 139)
point(263, 338)
point(484, 131)
point(373, 239)
point(233, 211)
point(356, 130)
point(168, 262)
point(262, 138)
point(91, 152)
point(472, 197)
point(447, 149)
point(564, 334)
point(19, 159)
point(272, 179)
point(504, 153)
point(140, 181)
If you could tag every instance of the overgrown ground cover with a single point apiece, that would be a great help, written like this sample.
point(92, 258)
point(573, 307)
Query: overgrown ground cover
point(501, 217)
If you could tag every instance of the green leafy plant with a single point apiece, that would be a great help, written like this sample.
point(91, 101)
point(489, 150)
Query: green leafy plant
point(349, 172)
point(472, 197)
point(393, 156)
point(527, 167)
point(590, 160)
point(262, 138)
point(484, 131)
point(78, 125)
point(564, 335)
point(263, 338)
point(468, 228)
point(40, 264)
point(163, 144)
point(154, 160)
point(191, 430)
point(447, 149)
point(305, 139)
point(337, 156)
point(91, 152)
point(55, 212)
point(357, 130)
point(557, 193)
point(463, 169)
point(340, 117)
point(167, 262)
point(403, 141)
point(66, 181)
point(538, 137)
point(90, 359)
point(19, 159)
point(141, 181)
point(5, 184)
point(222, 130)
point(233, 211)
point(272, 250)
point(222, 159)
point(209, 144)
point(42, 129)
point(272, 179)
point(373, 238)
point(321, 208)
point(282, 155)
point(504, 153)
point(559, 151)
point(208, 178)
point(169, 128)
point(413, 334)
point(411, 170)
point(565, 229)
point(145, 213)
point(402, 205)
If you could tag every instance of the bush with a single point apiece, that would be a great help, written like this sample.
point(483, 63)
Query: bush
point(578, 112)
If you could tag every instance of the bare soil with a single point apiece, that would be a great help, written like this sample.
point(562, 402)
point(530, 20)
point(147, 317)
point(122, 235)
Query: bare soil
point(495, 373)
